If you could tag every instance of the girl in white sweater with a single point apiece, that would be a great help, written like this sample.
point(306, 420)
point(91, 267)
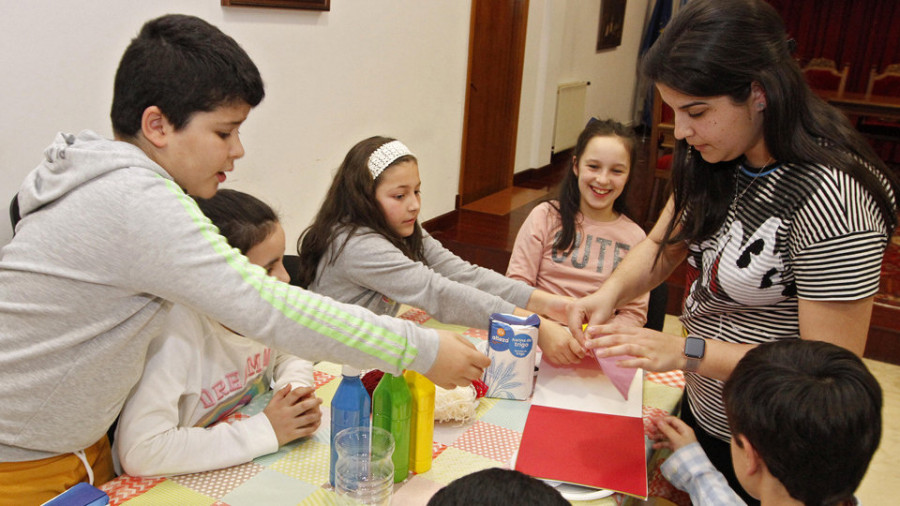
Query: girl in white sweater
point(199, 372)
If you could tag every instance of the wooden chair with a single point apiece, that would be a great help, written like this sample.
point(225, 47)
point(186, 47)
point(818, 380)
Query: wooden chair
point(883, 133)
point(887, 83)
point(822, 74)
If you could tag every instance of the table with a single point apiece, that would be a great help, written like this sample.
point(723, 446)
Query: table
point(298, 472)
point(861, 104)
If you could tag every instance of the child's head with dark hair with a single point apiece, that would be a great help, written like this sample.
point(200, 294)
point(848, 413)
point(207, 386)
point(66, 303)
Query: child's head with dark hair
point(811, 410)
point(249, 225)
point(597, 183)
point(182, 65)
point(362, 194)
point(242, 219)
point(497, 487)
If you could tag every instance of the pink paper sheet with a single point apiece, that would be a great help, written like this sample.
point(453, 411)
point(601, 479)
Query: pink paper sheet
point(621, 377)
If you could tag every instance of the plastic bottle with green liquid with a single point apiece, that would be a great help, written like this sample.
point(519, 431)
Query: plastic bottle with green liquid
point(422, 427)
point(392, 411)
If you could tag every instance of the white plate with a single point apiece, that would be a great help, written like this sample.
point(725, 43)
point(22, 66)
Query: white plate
point(577, 492)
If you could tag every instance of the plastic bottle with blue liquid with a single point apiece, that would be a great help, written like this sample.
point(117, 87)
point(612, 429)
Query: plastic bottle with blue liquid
point(350, 407)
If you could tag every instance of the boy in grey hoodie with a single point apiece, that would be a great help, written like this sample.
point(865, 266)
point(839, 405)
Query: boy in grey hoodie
point(109, 238)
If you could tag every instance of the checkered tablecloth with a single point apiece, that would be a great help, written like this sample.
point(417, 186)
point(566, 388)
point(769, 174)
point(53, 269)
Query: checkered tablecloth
point(298, 473)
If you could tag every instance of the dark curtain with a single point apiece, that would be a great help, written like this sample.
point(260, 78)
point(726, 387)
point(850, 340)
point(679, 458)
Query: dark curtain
point(863, 33)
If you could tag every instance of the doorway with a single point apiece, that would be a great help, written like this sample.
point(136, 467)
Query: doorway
point(494, 83)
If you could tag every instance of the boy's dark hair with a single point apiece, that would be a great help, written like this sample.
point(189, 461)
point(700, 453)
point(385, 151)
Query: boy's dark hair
point(351, 203)
point(569, 193)
point(812, 410)
point(242, 219)
point(182, 65)
point(497, 487)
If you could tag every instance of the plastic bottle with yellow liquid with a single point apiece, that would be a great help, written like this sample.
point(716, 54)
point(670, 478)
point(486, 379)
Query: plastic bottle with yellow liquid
point(422, 427)
point(392, 411)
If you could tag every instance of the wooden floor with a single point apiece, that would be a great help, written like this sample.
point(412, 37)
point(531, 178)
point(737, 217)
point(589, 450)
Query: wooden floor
point(484, 232)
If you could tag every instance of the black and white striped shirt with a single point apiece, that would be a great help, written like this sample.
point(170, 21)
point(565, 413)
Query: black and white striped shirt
point(802, 231)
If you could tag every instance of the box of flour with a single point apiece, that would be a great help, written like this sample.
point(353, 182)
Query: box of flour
point(511, 347)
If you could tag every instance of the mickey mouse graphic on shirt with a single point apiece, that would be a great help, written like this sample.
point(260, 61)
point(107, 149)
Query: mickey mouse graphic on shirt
point(742, 269)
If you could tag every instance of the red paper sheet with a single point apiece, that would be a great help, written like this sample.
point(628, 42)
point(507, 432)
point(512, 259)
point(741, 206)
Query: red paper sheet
point(581, 430)
point(590, 449)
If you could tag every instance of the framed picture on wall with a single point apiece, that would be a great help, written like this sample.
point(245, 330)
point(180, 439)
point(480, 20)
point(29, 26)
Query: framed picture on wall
point(315, 5)
point(612, 21)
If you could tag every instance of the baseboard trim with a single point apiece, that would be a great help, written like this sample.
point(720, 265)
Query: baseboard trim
point(441, 222)
point(522, 178)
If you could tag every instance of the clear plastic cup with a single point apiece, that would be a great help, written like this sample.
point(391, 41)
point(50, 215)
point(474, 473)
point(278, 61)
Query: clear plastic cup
point(364, 472)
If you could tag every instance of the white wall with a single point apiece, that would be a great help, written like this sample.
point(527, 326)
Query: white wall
point(560, 47)
point(367, 67)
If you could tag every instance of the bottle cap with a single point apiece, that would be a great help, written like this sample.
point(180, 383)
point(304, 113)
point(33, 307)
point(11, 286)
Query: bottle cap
point(349, 370)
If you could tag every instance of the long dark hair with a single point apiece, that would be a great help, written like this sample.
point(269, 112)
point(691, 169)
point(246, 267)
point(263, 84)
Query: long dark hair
point(721, 48)
point(351, 203)
point(569, 200)
point(242, 219)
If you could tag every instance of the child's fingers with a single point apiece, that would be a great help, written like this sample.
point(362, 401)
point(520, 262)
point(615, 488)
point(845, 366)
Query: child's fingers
point(281, 393)
point(662, 444)
point(576, 349)
point(668, 430)
point(678, 425)
point(299, 393)
point(310, 417)
point(307, 405)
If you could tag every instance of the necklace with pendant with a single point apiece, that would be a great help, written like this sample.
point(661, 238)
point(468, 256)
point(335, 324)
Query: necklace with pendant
point(759, 172)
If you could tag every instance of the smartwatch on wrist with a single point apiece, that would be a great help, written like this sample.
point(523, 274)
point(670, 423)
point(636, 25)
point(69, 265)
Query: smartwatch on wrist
point(694, 350)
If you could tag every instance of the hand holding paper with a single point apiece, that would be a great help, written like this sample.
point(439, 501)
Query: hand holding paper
point(558, 345)
point(636, 347)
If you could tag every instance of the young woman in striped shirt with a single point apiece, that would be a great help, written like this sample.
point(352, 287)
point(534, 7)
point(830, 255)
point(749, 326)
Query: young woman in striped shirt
point(781, 209)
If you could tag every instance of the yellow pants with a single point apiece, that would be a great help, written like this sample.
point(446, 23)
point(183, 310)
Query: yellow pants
point(37, 481)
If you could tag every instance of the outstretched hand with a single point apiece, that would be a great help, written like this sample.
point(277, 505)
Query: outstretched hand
point(648, 349)
point(294, 413)
point(673, 433)
point(590, 310)
point(558, 344)
point(458, 363)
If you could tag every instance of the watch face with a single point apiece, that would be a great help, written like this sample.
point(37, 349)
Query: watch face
point(694, 347)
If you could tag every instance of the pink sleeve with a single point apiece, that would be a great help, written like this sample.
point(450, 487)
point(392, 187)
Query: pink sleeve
point(529, 246)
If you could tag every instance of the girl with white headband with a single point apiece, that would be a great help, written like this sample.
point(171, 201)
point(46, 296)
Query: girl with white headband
point(366, 247)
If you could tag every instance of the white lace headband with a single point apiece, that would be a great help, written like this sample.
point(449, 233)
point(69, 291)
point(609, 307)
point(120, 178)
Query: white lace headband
point(385, 155)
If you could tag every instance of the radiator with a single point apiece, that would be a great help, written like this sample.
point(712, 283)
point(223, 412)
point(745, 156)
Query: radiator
point(569, 121)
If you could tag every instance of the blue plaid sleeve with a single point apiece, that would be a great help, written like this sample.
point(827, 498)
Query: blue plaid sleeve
point(689, 469)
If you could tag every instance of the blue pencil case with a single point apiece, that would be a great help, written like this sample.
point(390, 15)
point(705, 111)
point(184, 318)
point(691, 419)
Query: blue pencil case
point(82, 494)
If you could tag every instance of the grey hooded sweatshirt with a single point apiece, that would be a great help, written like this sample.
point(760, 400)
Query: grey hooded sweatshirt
point(107, 242)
